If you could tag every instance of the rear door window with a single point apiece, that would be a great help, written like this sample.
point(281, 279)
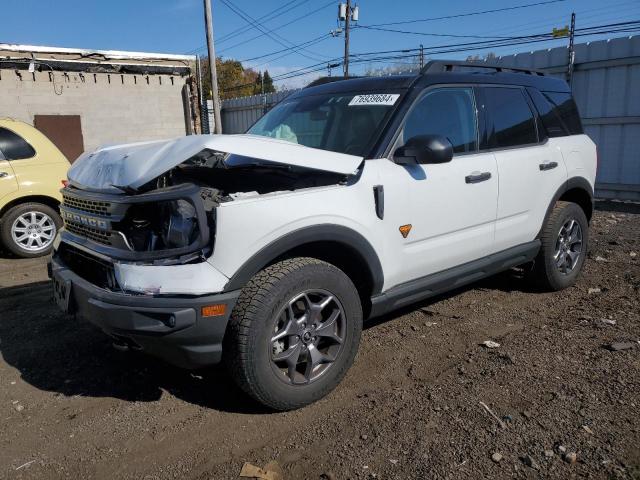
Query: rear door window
point(450, 112)
point(13, 146)
point(511, 121)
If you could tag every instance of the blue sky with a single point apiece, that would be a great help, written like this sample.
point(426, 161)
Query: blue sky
point(176, 26)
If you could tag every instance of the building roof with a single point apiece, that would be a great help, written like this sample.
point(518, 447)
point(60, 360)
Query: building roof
point(16, 56)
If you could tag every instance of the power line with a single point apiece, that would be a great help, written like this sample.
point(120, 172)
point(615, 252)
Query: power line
point(620, 27)
point(518, 40)
point(274, 36)
point(309, 42)
point(303, 44)
point(264, 18)
point(301, 17)
point(553, 21)
point(278, 12)
point(370, 27)
point(401, 54)
point(471, 46)
point(468, 14)
point(291, 53)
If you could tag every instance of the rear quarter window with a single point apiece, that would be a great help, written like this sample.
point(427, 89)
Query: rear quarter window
point(13, 146)
point(566, 109)
point(551, 121)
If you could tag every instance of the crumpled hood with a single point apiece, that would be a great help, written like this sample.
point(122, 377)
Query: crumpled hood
point(134, 164)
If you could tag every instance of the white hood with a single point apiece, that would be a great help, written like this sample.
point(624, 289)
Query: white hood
point(134, 164)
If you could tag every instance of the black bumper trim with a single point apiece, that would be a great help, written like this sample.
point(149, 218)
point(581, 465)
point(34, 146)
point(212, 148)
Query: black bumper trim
point(169, 327)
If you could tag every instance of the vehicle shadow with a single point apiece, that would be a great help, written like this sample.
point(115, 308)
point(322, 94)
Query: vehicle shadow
point(6, 254)
point(617, 206)
point(58, 353)
point(508, 281)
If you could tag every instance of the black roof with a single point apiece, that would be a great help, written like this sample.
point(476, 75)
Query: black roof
point(440, 72)
point(359, 84)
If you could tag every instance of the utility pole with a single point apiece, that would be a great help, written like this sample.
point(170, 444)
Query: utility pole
point(346, 13)
point(212, 67)
point(347, 23)
point(421, 56)
point(572, 53)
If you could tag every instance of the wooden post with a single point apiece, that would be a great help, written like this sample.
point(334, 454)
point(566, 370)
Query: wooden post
point(212, 67)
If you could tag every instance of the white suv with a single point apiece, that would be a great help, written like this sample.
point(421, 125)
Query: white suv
point(347, 200)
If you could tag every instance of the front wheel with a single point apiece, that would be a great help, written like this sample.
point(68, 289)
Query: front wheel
point(564, 238)
point(28, 230)
point(293, 333)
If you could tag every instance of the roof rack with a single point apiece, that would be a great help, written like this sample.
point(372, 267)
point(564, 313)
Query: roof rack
point(323, 80)
point(440, 66)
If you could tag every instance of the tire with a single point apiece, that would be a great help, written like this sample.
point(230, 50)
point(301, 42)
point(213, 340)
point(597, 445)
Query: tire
point(262, 314)
point(555, 267)
point(43, 220)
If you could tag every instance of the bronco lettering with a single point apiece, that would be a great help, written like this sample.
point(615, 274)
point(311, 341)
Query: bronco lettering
point(85, 220)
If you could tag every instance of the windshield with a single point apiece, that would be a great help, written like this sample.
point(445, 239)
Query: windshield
point(345, 123)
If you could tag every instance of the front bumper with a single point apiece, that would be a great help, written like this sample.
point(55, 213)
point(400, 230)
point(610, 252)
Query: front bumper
point(169, 327)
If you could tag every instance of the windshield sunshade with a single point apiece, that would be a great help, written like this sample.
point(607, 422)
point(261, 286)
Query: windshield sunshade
point(346, 123)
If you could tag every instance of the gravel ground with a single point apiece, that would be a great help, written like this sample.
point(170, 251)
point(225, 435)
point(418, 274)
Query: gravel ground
point(423, 400)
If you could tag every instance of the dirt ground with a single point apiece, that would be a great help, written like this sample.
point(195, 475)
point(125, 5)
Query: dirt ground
point(410, 408)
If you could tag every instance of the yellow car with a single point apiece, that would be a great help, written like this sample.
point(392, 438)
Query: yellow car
point(32, 172)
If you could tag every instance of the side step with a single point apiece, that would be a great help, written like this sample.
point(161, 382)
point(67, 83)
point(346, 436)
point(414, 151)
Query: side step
point(452, 278)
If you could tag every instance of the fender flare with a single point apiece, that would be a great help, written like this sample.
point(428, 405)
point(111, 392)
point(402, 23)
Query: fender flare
point(349, 238)
point(572, 183)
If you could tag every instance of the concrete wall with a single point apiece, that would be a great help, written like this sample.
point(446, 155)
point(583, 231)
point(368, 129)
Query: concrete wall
point(113, 108)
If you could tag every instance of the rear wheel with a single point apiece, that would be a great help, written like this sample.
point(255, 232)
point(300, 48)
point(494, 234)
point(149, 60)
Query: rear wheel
point(564, 247)
point(293, 333)
point(28, 230)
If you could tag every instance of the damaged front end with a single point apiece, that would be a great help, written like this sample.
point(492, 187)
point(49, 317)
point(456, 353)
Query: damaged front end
point(165, 225)
point(154, 203)
point(136, 254)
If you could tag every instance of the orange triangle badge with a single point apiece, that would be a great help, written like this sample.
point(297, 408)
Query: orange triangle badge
point(404, 230)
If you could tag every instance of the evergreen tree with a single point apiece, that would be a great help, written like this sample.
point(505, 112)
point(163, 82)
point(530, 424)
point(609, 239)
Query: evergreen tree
point(268, 83)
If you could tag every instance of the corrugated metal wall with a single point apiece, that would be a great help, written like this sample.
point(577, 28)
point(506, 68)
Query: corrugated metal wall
point(606, 86)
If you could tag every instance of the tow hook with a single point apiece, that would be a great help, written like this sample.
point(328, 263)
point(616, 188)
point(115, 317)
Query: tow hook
point(123, 344)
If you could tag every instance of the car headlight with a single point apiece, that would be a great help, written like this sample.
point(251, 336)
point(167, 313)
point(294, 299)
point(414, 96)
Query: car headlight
point(182, 225)
point(161, 225)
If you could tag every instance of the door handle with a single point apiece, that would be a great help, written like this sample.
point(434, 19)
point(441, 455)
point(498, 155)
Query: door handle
point(477, 177)
point(3, 174)
point(548, 165)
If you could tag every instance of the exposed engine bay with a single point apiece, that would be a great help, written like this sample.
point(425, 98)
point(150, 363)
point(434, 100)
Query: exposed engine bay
point(225, 177)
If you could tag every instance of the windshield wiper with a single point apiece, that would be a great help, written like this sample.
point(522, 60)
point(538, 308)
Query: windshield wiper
point(278, 166)
point(126, 189)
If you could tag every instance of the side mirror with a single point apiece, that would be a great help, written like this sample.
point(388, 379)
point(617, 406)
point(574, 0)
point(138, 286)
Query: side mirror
point(424, 149)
